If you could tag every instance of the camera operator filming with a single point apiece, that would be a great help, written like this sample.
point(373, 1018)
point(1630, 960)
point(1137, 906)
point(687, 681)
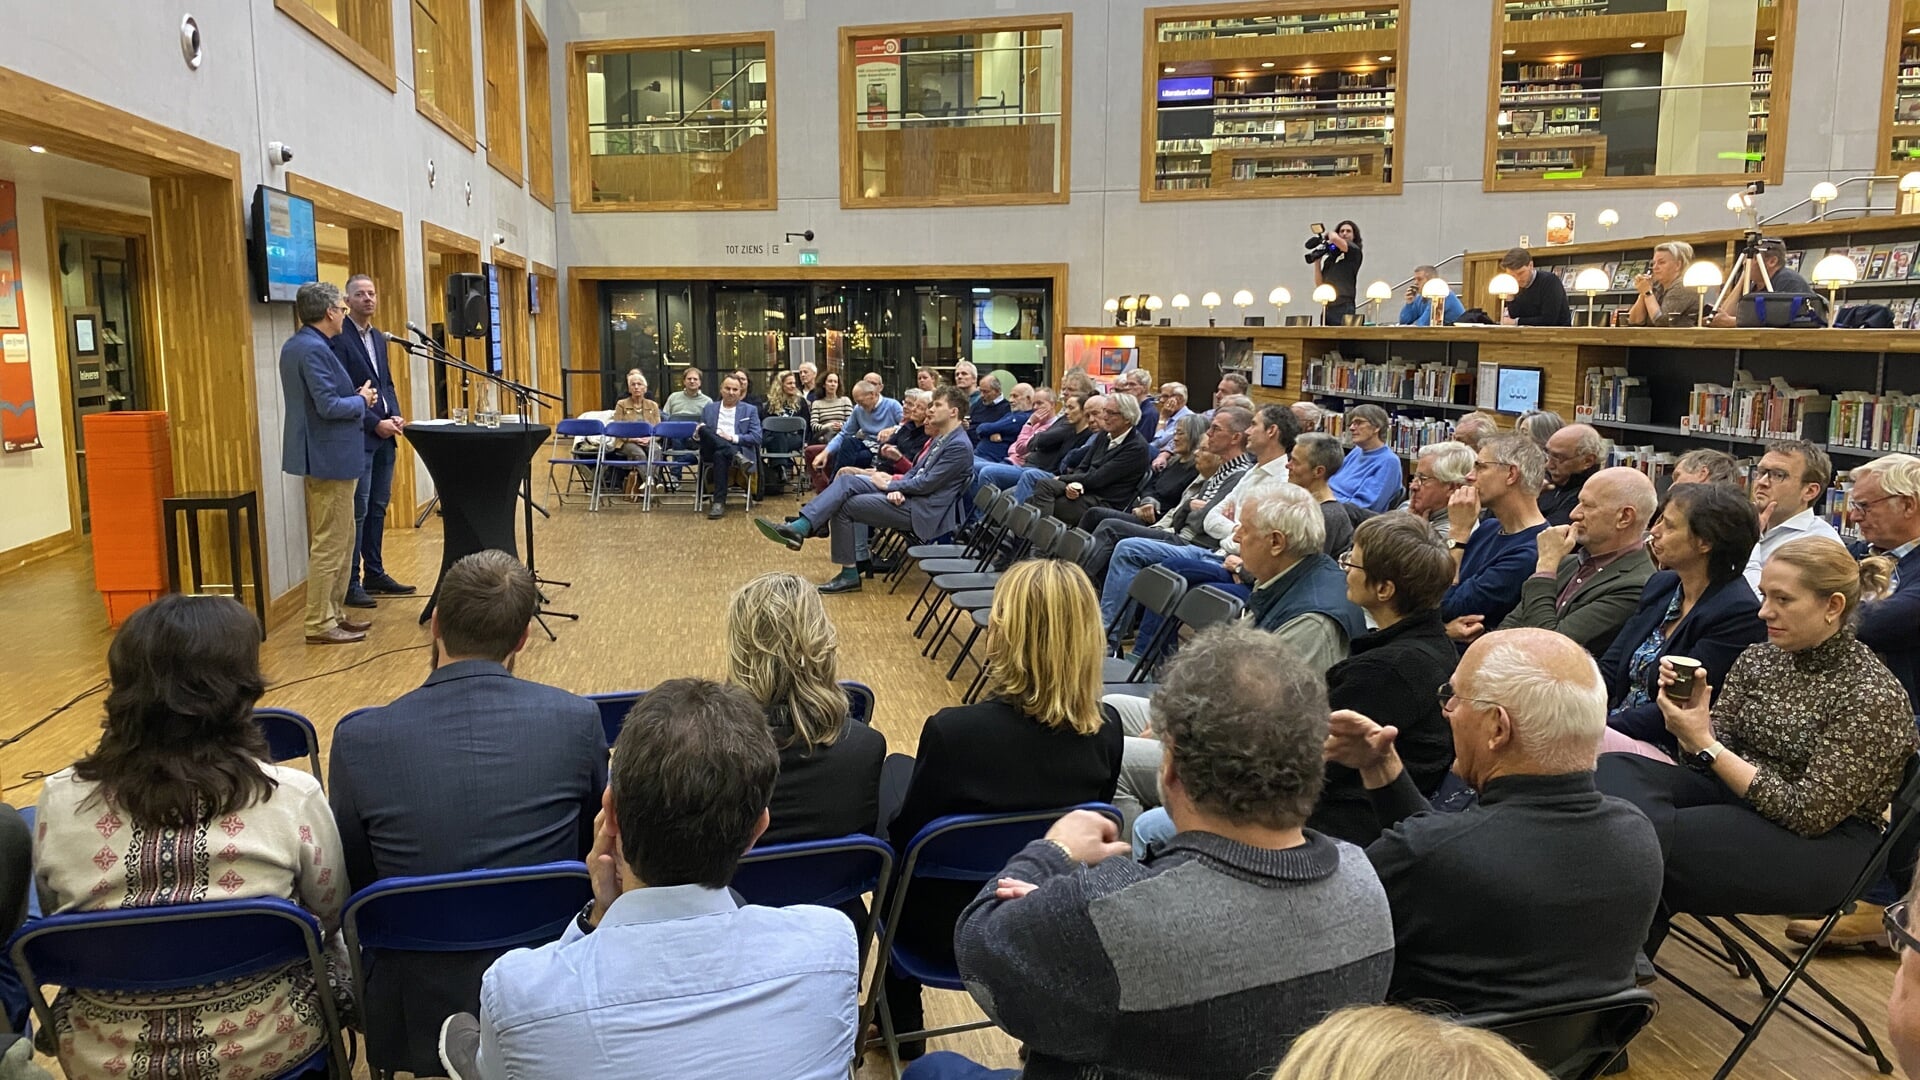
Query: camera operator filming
point(1335, 258)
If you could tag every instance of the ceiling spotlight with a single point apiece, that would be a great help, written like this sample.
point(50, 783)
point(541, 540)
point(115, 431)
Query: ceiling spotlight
point(1508, 52)
point(1384, 59)
point(1168, 69)
point(37, 148)
point(1266, 63)
point(1636, 44)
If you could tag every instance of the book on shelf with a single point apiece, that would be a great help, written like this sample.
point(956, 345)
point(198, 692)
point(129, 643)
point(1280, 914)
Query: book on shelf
point(1625, 271)
point(1434, 382)
point(1900, 263)
point(1861, 254)
point(1793, 259)
point(1608, 391)
point(1877, 262)
point(1753, 409)
point(1864, 420)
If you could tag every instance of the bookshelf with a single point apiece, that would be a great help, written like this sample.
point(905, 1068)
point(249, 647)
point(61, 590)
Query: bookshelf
point(1257, 100)
point(1900, 103)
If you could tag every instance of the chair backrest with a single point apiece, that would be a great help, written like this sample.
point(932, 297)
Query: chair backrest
point(1577, 1040)
point(859, 700)
point(614, 707)
point(1045, 536)
point(468, 911)
point(579, 428)
point(628, 429)
point(827, 873)
point(676, 429)
point(1901, 820)
point(789, 425)
point(987, 496)
point(1075, 544)
point(1207, 606)
point(1020, 521)
point(290, 736)
point(976, 847)
point(1157, 589)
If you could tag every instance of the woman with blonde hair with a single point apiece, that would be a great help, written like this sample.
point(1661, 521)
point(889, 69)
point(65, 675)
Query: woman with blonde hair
point(783, 651)
point(1385, 1042)
point(1038, 739)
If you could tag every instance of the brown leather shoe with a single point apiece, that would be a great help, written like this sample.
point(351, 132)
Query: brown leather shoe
point(337, 636)
point(1862, 928)
point(353, 626)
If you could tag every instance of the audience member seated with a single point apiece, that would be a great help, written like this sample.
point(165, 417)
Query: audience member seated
point(1171, 407)
point(1077, 381)
point(808, 374)
point(1590, 595)
point(1384, 1042)
point(1308, 415)
point(475, 770)
point(1527, 708)
point(1792, 477)
point(1780, 278)
point(747, 394)
point(1542, 299)
point(783, 399)
point(1138, 383)
point(1417, 309)
point(665, 967)
point(1539, 425)
point(1662, 299)
point(1788, 774)
point(1108, 473)
point(966, 378)
point(1706, 467)
point(1311, 466)
point(1183, 526)
point(16, 888)
point(1574, 454)
point(729, 435)
point(1697, 606)
point(926, 500)
point(829, 410)
point(1042, 411)
point(858, 439)
point(174, 806)
point(900, 445)
point(1473, 427)
point(687, 403)
point(1499, 552)
point(1058, 449)
point(996, 421)
point(1103, 966)
point(636, 407)
point(782, 649)
point(1903, 1006)
point(1396, 574)
point(1037, 739)
point(1371, 475)
point(1439, 470)
point(1047, 436)
point(1159, 490)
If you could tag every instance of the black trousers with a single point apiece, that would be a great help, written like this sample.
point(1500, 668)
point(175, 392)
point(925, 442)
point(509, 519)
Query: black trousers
point(719, 457)
point(1722, 857)
point(1050, 497)
point(1109, 527)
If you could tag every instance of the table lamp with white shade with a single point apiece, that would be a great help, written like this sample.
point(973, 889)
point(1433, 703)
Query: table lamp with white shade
point(1506, 287)
point(1180, 305)
point(1910, 193)
point(1832, 273)
point(1593, 281)
point(1324, 294)
point(1243, 300)
point(1279, 298)
point(1608, 219)
point(1113, 309)
point(1823, 193)
point(1666, 212)
point(1130, 304)
point(1703, 274)
point(1377, 292)
point(1153, 304)
point(1210, 301)
point(1436, 290)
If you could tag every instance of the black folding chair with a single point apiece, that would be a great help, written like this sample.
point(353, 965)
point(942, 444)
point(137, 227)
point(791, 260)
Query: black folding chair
point(1155, 589)
point(1906, 806)
point(1577, 1040)
point(949, 576)
point(975, 555)
point(1208, 605)
point(1045, 538)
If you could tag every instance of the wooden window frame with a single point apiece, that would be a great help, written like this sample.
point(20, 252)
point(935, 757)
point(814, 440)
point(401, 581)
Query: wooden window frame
point(1900, 14)
point(1779, 89)
point(441, 118)
point(1151, 62)
point(538, 71)
point(850, 197)
point(375, 58)
point(580, 158)
point(500, 48)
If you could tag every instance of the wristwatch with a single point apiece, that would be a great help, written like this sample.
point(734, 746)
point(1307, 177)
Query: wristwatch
point(1705, 758)
point(1456, 545)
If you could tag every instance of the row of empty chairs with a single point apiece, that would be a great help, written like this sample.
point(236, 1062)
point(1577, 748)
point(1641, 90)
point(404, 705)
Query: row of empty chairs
point(669, 456)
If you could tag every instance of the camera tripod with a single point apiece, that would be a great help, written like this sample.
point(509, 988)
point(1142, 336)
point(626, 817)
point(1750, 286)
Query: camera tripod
point(1747, 266)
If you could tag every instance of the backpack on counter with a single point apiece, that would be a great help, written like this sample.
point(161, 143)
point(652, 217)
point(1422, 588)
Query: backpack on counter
point(1781, 310)
point(1864, 317)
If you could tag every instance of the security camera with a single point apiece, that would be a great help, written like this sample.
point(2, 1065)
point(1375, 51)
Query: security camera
point(279, 153)
point(499, 239)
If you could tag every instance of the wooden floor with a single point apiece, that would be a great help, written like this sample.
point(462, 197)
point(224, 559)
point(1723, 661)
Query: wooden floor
point(651, 590)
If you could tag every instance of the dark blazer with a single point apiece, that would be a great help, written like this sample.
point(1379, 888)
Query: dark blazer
point(1007, 426)
point(826, 792)
point(1165, 489)
point(1109, 473)
point(936, 485)
point(1557, 502)
point(1149, 419)
point(1392, 677)
point(1595, 613)
point(474, 770)
point(363, 369)
point(746, 426)
point(1891, 627)
point(321, 434)
point(1720, 626)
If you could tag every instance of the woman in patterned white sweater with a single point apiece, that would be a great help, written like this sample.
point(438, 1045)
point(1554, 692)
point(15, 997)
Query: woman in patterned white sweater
point(175, 807)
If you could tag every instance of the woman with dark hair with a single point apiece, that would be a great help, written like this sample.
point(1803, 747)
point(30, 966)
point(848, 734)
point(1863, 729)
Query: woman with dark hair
point(1335, 258)
point(1698, 606)
point(175, 806)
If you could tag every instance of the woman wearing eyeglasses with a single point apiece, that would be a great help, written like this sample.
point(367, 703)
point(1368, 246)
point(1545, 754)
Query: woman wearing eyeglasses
point(1779, 802)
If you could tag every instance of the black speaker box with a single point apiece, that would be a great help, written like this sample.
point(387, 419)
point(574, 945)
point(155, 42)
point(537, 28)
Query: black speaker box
point(466, 306)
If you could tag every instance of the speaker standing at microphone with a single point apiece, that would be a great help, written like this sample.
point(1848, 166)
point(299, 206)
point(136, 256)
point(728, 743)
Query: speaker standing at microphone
point(1335, 257)
point(362, 349)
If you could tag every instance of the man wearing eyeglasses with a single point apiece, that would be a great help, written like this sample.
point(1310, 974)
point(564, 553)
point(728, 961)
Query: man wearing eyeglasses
point(1590, 595)
point(1573, 456)
point(1527, 708)
point(1497, 555)
point(1792, 477)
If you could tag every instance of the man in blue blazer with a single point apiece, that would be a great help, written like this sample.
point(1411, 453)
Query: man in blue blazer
point(323, 441)
point(362, 349)
point(928, 498)
point(729, 432)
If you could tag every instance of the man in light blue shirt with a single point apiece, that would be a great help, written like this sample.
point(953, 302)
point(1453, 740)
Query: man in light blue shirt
point(1418, 310)
point(1173, 406)
point(664, 974)
point(873, 412)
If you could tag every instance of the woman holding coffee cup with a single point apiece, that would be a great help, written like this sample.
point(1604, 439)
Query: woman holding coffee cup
point(1794, 764)
point(1692, 608)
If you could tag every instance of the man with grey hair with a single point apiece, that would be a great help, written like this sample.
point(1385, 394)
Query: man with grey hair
point(1439, 470)
point(1473, 427)
point(322, 441)
point(967, 378)
point(1309, 415)
point(1495, 559)
point(1172, 405)
point(1138, 382)
point(1527, 708)
point(1099, 963)
point(807, 374)
point(1107, 474)
point(991, 407)
point(1590, 595)
point(1418, 309)
point(1705, 466)
point(1574, 453)
point(854, 444)
point(994, 436)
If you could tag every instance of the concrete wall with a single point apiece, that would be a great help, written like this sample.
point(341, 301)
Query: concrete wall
point(265, 78)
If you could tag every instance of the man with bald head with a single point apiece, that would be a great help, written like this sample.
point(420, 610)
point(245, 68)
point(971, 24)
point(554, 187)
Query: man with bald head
point(1540, 893)
point(1574, 454)
point(1589, 594)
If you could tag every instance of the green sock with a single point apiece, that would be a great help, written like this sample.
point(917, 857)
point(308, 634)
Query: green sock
point(801, 525)
point(850, 573)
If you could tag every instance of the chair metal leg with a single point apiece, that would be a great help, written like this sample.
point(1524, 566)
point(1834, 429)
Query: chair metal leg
point(1797, 972)
point(965, 651)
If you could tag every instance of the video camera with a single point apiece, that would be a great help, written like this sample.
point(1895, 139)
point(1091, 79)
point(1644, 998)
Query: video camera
point(1319, 245)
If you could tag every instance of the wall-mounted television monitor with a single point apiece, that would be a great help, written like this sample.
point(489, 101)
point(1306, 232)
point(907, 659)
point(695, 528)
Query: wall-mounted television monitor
point(281, 250)
point(1518, 389)
point(1273, 370)
point(1187, 88)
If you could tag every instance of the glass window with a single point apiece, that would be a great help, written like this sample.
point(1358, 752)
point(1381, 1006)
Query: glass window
point(953, 114)
point(539, 115)
point(1248, 102)
point(360, 30)
point(443, 66)
point(500, 40)
point(675, 124)
point(1900, 122)
point(1637, 93)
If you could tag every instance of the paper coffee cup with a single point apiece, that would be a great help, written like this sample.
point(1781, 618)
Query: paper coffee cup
point(1685, 670)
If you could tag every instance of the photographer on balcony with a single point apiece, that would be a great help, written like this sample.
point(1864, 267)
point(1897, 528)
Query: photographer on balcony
point(1335, 258)
point(1781, 278)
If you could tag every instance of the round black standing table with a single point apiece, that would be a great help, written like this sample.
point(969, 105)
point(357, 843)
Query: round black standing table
point(477, 472)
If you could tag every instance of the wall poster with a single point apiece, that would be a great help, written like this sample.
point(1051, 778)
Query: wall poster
point(19, 428)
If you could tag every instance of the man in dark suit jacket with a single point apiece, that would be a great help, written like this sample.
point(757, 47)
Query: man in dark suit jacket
point(729, 432)
point(1109, 472)
point(928, 500)
point(322, 441)
point(1589, 596)
point(362, 349)
point(475, 770)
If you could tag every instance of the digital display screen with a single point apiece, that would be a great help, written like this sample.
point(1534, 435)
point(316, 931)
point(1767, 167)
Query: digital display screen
point(1519, 390)
point(1187, 88)
point(496, 358)
point(285, 256)
point(1273, 370)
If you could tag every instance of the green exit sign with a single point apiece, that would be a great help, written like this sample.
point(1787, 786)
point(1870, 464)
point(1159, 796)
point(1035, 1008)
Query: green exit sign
point(809, 257)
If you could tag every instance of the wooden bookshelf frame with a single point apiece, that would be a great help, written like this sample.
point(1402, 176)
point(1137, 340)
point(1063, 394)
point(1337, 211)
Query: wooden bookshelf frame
point(1610, 40)
point(1902, 16)
point(1259, 49)
point(851, 197)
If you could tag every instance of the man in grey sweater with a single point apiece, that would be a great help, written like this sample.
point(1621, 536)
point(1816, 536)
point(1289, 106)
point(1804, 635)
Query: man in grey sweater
point(1210, 957)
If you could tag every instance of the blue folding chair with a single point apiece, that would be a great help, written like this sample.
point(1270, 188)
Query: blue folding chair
point(161, 950)
point(664, 455)
point(290, 737)
point(973, 848)
point(613, 465)
point(859, 700)
point(824, 872)
point(614, 707)
point(569, 430)
point(471, 911)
